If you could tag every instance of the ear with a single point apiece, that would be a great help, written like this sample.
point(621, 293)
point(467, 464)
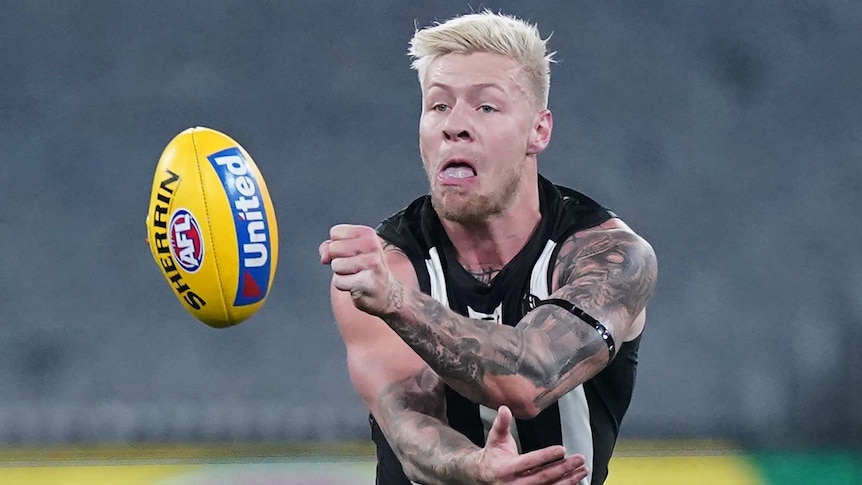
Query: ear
point(540, 135)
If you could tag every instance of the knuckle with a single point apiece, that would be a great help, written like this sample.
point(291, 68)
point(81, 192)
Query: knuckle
point(335, 231)
point(342, 231)
point(338, 282)
point(337, 266)
point(335, 248)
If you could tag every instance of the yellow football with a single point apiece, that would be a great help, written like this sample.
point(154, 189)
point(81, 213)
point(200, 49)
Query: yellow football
point(211, 227)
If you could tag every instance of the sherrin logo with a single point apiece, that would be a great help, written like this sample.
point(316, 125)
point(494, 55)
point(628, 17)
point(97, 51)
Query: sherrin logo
point(162, 237)
point(252, 229)
point(187, 242)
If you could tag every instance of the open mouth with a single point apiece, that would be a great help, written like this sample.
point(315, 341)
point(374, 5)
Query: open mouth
point(457, 168)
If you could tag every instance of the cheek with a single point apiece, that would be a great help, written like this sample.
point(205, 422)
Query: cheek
point(423, 128)
point(425, 163)
point(426, 139)
point(512, 141)
point(426, 150)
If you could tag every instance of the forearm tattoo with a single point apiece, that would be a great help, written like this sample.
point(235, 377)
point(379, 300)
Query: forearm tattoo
point(412, 414)
point(610, 274)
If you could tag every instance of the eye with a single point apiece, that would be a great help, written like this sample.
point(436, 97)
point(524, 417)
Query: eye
point(439, 107)
point(487, 109)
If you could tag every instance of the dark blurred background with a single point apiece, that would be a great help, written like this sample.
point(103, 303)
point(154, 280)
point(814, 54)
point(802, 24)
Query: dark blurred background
point(727, 133)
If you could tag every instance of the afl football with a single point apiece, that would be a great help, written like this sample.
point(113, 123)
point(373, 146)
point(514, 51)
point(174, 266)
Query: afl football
point(211, 227)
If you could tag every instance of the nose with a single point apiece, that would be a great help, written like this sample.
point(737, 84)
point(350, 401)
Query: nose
point(456, 126)
point(456, 134)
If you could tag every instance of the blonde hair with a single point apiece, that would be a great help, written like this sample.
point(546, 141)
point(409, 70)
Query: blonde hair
point(487, 32)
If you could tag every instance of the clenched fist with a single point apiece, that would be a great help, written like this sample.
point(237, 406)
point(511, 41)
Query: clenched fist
point(358, 264)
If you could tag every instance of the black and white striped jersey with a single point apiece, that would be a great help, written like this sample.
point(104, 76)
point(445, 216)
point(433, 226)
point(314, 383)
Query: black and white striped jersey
point(586, 420)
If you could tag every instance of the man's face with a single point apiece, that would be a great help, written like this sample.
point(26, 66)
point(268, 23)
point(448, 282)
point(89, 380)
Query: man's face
point(477, 127)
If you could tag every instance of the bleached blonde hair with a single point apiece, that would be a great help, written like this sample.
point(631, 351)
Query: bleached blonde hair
point(487, 32)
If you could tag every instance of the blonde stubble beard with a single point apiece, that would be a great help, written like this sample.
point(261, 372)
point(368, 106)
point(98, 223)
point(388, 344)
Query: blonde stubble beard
point(454, 206)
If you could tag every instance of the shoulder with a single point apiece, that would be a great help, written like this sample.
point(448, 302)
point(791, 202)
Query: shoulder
point(612, 241)
point(613, 227)
point(391, 251)
point(610, 264)
point(400, 264)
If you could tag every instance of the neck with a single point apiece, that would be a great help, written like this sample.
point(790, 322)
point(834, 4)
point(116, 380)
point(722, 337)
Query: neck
point(488, 245)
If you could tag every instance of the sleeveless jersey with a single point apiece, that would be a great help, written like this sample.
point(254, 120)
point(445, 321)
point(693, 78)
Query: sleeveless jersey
point(586, 420)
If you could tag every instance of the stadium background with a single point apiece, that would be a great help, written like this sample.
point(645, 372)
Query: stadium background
point(728, 133)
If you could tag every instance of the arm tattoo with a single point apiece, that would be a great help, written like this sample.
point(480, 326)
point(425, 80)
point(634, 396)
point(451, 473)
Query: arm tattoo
point(412, 414)
point(395, 297)
point(608, 273)
point(422, 393)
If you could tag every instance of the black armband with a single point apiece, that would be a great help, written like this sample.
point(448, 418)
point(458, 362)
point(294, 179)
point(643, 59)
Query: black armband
point(601, 329)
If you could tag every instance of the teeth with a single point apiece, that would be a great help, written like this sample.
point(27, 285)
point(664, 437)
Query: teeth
point(458, 172)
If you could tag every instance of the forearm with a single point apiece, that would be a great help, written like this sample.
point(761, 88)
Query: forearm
point(430, 451)
point(526, 367)
point(411, 414)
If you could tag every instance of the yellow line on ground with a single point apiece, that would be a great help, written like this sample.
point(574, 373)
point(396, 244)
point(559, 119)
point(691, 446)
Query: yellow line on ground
point(634, 462)
point(90, 475)
point(671, 447)
point(682, 470)
point(176, 453)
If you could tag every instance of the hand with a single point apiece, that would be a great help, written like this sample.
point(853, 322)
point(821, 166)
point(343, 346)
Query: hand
point(359, 266)
point(499, 462)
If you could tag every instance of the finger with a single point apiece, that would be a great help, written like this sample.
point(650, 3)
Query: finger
point(579, 474)
point(352, 283)
point(351, 265)
point(499, 432)
point(569, 470)
point(568, 464)
point(323, 249)
point(577, 459)
point(573, 477)
point(342, 248)
point(350, 231)
point(573, 473)
point(535, 460)
point(345, 248)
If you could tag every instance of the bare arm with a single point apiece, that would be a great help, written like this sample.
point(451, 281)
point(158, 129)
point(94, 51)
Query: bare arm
point(404, 395)
point(406, 398)
point(608, 272)
point(412, 414)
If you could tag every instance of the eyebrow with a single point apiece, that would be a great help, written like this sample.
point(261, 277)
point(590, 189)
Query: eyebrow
point(472, 87)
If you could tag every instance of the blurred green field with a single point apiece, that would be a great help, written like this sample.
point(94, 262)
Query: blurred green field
point(635, 463)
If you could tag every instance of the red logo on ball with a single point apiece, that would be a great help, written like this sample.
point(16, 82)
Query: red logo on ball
point(187, 242)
